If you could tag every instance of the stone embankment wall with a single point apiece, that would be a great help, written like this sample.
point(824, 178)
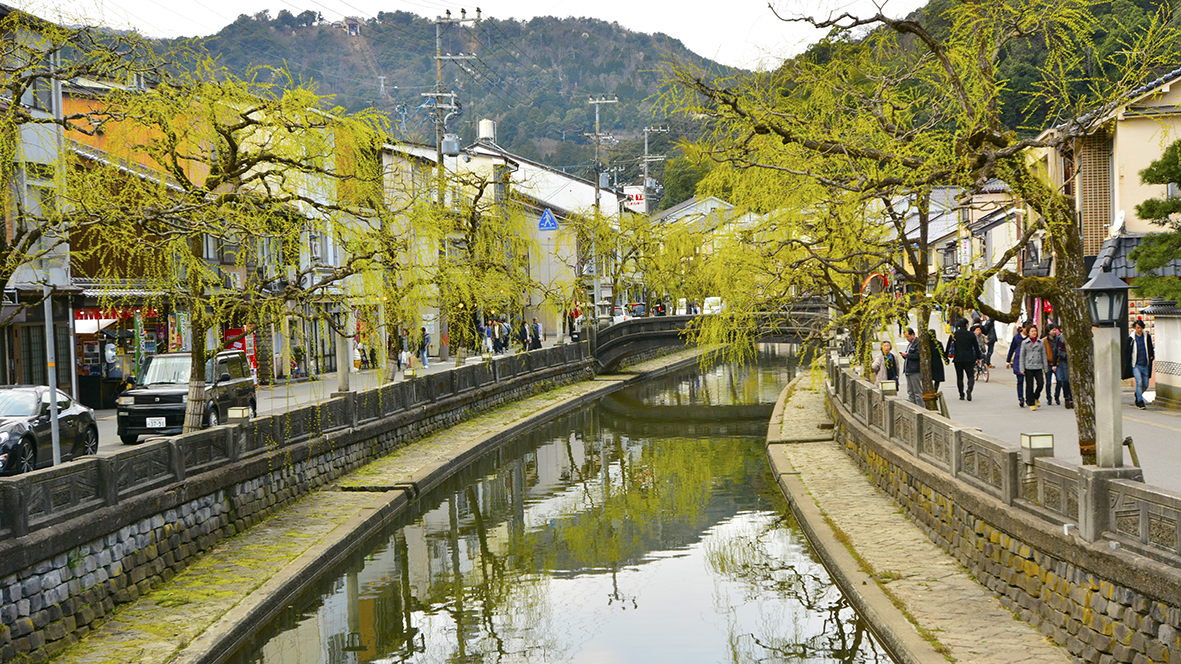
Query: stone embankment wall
point(1016, 523)
point(79, 539)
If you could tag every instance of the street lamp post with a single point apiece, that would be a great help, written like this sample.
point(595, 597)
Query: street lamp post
point(1107, 298)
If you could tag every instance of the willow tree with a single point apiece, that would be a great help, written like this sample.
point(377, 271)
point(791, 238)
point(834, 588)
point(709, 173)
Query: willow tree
point(238, 201)
point(483, 266)
point(36, 58)
point(916, 104)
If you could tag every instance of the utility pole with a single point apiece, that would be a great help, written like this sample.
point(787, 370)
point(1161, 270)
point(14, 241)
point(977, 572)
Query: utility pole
point(598, 209)
point(51, 374)
point(442, 113)
point(648, 159)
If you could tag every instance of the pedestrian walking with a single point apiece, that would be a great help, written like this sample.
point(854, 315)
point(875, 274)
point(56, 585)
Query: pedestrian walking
point(523, 336)
point(885, 365)
point(1013, 361)
point(496, 333)
point(965, 353)
point(938, 361)
point(988, 325)
point(424, 347)
point(535, 334)
point(1032, 364)
point(1056, 355)
point(1138, 356)
point(910, 369)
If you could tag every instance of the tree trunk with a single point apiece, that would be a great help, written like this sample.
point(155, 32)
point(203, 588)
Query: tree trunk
point(1075, 316)
point(195, 408)
point(930, 398)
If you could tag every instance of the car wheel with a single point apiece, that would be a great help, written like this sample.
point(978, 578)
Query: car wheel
point(129, 439)
point(26, 457)
point(211, 418)
point(90, 441)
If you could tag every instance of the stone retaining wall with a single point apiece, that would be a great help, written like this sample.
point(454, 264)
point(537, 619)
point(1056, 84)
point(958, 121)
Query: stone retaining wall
point(1013, 524)
point(114, 527)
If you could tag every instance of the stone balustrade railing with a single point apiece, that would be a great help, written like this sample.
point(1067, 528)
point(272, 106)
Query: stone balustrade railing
point(53, 496)
point(1090, 556)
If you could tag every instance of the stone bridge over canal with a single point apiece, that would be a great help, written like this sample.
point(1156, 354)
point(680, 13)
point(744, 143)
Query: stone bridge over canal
point(613, 344)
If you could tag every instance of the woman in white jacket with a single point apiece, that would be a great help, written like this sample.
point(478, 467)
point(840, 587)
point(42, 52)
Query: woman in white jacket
point(885, 364)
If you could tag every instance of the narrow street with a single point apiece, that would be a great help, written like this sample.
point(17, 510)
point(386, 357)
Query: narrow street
point(281, 397)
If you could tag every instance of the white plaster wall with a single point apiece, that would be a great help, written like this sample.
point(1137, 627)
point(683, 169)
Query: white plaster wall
point(1137, 143)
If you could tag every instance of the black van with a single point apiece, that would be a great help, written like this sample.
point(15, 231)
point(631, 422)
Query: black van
point(156, 405)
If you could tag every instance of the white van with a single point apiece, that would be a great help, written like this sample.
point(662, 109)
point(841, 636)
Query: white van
point(713, 305)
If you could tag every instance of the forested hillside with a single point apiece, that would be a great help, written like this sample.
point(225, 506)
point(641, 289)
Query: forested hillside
point(534, 77)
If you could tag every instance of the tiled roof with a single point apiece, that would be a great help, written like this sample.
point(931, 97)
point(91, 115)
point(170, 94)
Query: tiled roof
point(1116, 251)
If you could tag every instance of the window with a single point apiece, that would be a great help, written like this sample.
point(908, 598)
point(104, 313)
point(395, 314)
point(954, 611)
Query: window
point(1173, 191)
point(234, 365)
point(63, 401)
point(41, 95)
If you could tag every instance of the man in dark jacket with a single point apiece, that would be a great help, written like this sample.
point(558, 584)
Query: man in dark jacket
point(1139, 355)
point(965, 353)
point(988, 325)
point(910, 369)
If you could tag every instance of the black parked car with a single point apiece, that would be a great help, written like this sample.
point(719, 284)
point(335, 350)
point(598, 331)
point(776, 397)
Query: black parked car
point(156, 405)
point(26, 439)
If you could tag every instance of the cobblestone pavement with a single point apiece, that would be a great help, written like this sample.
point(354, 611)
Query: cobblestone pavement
point(161, 623)
point(940, 594)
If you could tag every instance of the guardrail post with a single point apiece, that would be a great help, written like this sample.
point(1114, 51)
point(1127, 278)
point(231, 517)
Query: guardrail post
point(1094, 507)
point(954, 464)
point(108, 479)
point(1010, 469)
point(16, 507)
point(233, 448)
point(178, 460)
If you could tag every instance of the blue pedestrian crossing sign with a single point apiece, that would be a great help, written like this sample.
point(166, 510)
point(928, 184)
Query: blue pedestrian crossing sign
point(547, 222)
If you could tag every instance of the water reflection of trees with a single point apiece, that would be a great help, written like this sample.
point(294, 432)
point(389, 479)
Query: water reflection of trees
point(476, 578)
point(768, 559)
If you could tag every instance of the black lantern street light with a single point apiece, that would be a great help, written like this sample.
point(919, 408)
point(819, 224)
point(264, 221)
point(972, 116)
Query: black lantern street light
point(1107, 298)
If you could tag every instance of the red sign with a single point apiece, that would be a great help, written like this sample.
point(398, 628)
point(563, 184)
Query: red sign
point(246, 345)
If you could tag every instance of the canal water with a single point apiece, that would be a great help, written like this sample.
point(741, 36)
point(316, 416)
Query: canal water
point(643, 528)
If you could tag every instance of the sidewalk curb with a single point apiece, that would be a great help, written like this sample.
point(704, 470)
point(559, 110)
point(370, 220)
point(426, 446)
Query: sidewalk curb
point(235, 628)
point(895, 632)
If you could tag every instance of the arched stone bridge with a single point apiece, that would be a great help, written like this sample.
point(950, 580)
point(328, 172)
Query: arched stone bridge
point(615, 343)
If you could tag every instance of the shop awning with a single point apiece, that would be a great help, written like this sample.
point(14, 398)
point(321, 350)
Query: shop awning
point(91, 326)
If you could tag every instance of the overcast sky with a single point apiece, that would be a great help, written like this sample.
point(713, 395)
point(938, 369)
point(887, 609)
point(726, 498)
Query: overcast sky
point(742, 33)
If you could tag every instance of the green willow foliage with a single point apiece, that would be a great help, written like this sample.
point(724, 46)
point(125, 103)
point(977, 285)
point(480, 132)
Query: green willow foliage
point(862, 130)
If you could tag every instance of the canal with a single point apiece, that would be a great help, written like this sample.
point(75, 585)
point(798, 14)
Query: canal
point(643, 528)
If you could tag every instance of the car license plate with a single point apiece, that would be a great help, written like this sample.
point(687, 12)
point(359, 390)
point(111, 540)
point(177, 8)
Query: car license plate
point(156, 423)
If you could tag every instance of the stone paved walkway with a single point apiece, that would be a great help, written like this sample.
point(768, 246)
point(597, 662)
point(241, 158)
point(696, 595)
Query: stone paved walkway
point(940, 594)
point(158, 626)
